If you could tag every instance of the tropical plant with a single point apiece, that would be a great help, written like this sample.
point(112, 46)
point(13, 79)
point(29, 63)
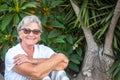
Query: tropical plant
point(115, 68)
point(59, 34)
point(98, 56)
point(69, 26)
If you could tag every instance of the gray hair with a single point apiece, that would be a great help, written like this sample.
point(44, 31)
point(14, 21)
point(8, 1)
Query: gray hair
point(26, 20)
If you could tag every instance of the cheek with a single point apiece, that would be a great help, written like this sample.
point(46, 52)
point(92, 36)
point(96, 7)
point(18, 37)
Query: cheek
point(21, 35)
point(38, 37)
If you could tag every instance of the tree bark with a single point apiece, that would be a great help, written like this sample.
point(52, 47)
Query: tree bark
point(109, 37)
point(96, 64)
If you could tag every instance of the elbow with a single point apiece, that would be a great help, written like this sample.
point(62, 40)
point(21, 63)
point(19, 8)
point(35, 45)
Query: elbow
point(38, 75)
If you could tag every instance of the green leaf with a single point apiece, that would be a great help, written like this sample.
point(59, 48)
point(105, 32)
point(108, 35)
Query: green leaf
point(6, 20)
point(93, 14)
point(21, 2)
point(73, 67)
point(43, 2)
point(117, 77)
point(57, 24)
point(106, 7)
point(103, 30)
point(115, 42)
point(55, 3)
point(116, 71)
point(29, 5)
point(3, 7)
point(16, 19)
point(79, 51)
point(108, 17)
point(44, 19)
point(44, 38)
point(75, 61)
point(59, 40)
point(95, 23)
point(114, 66)
point(69, 39)
point(60, 19)
point(5, 48)
point(53, 33)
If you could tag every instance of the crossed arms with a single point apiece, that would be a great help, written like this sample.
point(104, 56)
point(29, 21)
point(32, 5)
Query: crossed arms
point(39, 68)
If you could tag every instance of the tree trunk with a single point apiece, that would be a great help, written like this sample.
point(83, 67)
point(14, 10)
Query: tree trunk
point(109, 37)
point(96, 64)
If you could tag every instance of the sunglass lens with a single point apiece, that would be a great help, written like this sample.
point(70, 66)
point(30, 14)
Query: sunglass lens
point(36, 31)
point(26, 31)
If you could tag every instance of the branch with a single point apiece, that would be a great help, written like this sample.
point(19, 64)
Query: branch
point(109, 36)
point(75, 7)
point(87, 31)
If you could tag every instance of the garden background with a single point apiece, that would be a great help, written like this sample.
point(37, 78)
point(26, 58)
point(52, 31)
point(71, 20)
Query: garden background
point(86, 31)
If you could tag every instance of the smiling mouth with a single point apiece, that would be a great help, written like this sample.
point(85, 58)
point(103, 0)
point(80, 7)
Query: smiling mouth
point(30, 38)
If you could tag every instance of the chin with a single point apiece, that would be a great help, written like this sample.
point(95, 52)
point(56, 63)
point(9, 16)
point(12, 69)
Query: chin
point(31, 44)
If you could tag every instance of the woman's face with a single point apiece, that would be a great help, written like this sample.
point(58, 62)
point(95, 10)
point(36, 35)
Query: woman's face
point(30, 34)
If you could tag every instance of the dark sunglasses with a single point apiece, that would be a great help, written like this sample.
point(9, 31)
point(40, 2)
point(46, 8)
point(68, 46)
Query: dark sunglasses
point(28, 31)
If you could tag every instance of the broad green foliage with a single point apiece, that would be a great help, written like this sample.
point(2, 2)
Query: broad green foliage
point(57, 31)
point(66, 44)
point(61, 28)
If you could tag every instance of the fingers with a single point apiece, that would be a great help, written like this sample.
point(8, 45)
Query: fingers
point(18, 61)
point(20, 58)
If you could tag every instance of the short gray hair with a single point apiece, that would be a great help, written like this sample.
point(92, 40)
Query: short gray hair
point(26, 20)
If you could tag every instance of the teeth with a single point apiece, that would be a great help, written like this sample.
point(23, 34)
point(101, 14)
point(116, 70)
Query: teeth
point(31, 38)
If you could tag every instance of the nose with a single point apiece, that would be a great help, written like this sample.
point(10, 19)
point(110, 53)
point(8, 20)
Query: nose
point(31, 33)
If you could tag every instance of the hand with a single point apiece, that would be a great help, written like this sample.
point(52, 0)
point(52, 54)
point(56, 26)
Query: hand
point(61, 66)
point(22, 58)
point(64, 61)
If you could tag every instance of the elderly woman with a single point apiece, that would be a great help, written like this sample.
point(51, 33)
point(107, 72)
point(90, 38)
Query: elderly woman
point(31, 61)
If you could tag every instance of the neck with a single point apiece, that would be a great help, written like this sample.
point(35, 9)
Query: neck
point(28, 49)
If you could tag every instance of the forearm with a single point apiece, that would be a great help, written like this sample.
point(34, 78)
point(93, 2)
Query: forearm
point(47, 66)
point(36, 71)
point(43, 67)
point(60, 66)
point(38, 60)
point(21, 58)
